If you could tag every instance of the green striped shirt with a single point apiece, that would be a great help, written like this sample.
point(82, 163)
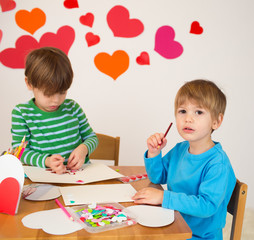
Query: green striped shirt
point(47, 133)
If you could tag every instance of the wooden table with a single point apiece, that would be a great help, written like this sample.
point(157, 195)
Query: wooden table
point(12, 228)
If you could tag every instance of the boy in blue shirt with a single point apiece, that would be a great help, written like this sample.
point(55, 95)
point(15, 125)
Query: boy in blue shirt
point(198, 173)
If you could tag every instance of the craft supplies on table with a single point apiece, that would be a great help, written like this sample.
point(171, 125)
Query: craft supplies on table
point(133, 178)
point(102, 216)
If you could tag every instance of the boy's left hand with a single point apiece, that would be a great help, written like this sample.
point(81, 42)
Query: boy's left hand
point(149, 195)
point(77, 157)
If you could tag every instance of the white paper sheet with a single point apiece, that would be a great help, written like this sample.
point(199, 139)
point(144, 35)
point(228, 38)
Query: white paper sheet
point(87, 194)
point(89, 173)
point(52, 221)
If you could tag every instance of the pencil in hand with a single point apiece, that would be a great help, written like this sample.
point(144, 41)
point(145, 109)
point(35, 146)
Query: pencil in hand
point(170, 125)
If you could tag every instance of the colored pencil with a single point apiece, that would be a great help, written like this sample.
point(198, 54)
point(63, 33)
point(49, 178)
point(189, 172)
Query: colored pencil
point(64, 210)
point(170, 125)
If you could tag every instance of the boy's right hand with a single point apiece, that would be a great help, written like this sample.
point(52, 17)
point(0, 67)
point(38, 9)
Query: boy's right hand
point(55, 162)
point(155, 143)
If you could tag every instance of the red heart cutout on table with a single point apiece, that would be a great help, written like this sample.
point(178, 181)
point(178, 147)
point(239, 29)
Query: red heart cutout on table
point(92, 39)
point(87, 19)
point(196, 28)
point(143, 59)
point(9, 195)
point(121, 25)
point(7, 5)
point(15, 57)
point(114, 65)
point(71, 3)
point(30, 21)
point(165, 44)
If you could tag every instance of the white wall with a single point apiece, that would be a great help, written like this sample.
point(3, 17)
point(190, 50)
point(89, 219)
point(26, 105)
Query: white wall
point(140, 101)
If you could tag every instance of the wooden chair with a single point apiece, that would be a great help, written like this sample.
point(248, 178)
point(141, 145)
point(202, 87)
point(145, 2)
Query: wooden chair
point(108, 148)
point(236, 208)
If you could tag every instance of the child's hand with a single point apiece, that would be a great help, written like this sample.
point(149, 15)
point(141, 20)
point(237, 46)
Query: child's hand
point(55, 162)
point(77, 157)
point(149, 195)
point(155, 143)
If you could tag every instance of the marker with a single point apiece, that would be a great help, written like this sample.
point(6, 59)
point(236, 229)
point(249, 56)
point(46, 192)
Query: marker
point(165, 134)
point(64, 209)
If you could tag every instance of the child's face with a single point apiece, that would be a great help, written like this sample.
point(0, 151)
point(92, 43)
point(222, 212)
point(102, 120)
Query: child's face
point(194, 123)
point(48, 103)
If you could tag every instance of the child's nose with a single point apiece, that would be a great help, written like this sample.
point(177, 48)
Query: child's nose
point(188, 118)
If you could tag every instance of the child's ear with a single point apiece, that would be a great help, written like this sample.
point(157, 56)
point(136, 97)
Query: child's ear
point(29, 86)
point(217, 122)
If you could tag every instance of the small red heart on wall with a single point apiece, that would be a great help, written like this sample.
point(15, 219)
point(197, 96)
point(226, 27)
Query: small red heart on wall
point(92, 39)
point(7, 5)
point(143, 59)
point(87, 19)
point(196, 28)
point(9, 195)
point(71, 3)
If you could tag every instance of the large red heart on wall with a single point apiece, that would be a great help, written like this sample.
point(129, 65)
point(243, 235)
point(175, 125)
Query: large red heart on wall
point(119, 22)
point(9, 195)
point(15, 57)
point(114, 65)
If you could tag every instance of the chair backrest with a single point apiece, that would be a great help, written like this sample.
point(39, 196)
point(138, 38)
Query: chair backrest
point(236, 207)
point(108, 148)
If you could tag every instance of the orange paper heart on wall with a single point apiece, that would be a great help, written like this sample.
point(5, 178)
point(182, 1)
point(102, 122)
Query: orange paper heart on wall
point(30, 21)
point(114, 65)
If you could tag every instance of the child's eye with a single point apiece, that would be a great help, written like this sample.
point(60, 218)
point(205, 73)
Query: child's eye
point(182, 111)
point(198, 112)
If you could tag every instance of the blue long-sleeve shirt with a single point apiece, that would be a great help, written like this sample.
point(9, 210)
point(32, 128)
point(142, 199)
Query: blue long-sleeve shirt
point(199, 186)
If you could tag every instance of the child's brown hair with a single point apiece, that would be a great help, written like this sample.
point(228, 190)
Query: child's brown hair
point(205, 93)
point(49, 69)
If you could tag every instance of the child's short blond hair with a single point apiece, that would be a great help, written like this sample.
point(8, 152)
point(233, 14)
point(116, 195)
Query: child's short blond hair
point(49, 69)
point(205, 93)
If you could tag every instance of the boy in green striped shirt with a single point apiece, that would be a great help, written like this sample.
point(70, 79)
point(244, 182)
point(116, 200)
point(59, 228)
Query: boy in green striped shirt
point(56, 128)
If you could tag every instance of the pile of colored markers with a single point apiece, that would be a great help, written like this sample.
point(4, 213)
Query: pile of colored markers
point(18, 151)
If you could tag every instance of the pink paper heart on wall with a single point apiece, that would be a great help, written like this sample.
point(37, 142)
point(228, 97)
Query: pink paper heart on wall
point(9, 195)
point(87, 19)
point(121, 25)
point(71, 4)
point(92, 39)
point(1, 35)
point(196, 28)
point(7, 5)
point(114, 65)
point(15, 57)
point(143, 59)
point(165, 44)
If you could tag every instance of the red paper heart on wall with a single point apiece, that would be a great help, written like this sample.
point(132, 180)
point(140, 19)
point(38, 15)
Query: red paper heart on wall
point(87, 19)
point(71, 3)
point(143, 59)
point(92, 39)
point(7, 5)
point(9, 195)
point(196, 28)
point(121, 25)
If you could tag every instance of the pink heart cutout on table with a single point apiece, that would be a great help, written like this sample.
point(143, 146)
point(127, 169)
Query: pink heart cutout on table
point(71, 4)
point(15, 57)
point(7, 5)
point(92, 39)
point(143, 59)
point(9, 195)
point(87, 19)
point(121, 25)
point(196, 28)
point(165, 44)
